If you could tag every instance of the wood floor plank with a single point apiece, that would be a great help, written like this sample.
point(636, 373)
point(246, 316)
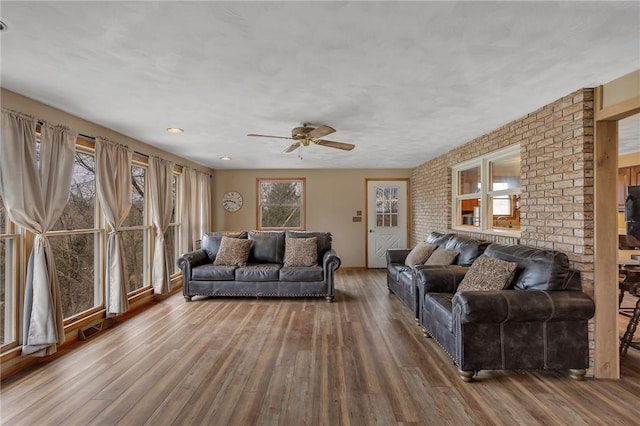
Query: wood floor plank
point(361, 360)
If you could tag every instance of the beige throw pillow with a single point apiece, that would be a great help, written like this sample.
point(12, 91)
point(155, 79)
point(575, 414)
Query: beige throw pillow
point(442, 257)
point(420, 253)
point(301, 251)
point(233, 252)
point(487, 273)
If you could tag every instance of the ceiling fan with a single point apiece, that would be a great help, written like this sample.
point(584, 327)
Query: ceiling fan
point(305, 134)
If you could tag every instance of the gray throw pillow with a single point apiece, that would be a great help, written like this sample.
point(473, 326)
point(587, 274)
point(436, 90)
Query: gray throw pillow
point(420, 253)
point(488, 273)
point(442, 257)
point(233, 252)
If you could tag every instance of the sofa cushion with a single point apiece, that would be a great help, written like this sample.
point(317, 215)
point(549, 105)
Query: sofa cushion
point(468, 248)
point(268, 247)
point(442, 256)
point(324, 240)
point(488, 273)
point(303, 273)
point(301, 252)
point(537, 269)
point(210, 241)
point(233, 252)
point(420, 253)
point(210, 272)
point(258, 272)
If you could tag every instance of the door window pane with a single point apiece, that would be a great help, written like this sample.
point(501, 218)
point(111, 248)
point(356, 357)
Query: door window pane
point(386, 206)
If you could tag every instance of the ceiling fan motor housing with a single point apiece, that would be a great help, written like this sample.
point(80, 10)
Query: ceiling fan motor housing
point(301, 132)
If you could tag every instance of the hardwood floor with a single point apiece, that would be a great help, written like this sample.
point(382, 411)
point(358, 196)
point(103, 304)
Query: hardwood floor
point(361, 361)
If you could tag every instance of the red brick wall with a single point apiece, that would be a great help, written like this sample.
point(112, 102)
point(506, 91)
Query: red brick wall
point(556, 204)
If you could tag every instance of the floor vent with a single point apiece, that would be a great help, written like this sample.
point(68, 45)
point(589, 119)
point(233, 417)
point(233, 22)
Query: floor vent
point(85, 333)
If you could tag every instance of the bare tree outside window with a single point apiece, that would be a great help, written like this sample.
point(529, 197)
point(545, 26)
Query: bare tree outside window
point(135, 232)
point(281, 203)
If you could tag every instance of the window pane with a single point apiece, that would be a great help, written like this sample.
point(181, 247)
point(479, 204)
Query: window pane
point(501, 206)
point(469, 181)
point(174, 195)
point(136, 252)
point(136, 214)
point(469, 212)
point(7, 290)
point(79, 213)
point(3, 218)
point(75, 262)
point(281, 204)
point(505, 173)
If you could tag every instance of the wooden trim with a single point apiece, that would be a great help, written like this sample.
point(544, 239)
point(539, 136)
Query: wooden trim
point(366, 212)
point(605, 248)
point(617, 111)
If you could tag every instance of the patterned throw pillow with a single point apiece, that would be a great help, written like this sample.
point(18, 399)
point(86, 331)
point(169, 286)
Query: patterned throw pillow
point(233, 252)
point(420, 253)
point(487, 273)
point(301, 251)
point(442, 256)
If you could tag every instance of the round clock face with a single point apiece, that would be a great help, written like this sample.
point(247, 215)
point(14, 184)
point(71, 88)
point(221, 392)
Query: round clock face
point(232, 201)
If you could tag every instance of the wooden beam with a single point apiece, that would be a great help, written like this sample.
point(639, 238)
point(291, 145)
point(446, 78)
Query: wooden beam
point(606, 253)
point(618, 111)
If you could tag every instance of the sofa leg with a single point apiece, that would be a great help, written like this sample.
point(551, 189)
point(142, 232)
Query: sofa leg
point(466, 376)
point(187, 298)
point(329, 299)
point(577, 373)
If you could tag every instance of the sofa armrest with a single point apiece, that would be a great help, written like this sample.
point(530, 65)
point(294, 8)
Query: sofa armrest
point(438, 278)
point(397, 255)
point(521, 306)
point(191, 259)
point(330, 261)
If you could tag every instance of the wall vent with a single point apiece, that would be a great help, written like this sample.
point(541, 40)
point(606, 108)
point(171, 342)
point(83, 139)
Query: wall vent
point(85, 333)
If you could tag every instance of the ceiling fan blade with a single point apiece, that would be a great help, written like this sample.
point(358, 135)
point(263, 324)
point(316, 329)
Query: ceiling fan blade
point(333, 144)
point(321, 131)
point(292, 147)
point(269, 136)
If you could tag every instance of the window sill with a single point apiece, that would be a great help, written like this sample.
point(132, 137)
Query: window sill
point(500, 232)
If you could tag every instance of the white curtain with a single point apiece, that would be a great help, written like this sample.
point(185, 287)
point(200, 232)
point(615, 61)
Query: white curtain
point(204, 189)
point(160, 180)
point(113, 185)
point(190, 217)
point(35, 189)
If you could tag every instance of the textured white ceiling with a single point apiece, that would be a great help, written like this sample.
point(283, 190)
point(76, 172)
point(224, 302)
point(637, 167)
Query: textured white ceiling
point(403, 81)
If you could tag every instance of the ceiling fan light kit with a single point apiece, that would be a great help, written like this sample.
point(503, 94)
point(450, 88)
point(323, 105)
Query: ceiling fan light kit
point(305, 134)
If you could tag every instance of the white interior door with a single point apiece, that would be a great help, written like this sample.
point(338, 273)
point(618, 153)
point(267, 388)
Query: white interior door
point(386, 219)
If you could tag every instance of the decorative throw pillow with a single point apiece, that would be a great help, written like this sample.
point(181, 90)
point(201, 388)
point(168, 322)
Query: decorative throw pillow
point(442, 256)
point(488, 273)
point(233, 252)
point(420, 253)
point(301, 251)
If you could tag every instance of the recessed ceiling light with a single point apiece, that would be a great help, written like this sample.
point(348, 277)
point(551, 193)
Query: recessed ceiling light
point(175, 130)
point(225, 158)
point(3, 26)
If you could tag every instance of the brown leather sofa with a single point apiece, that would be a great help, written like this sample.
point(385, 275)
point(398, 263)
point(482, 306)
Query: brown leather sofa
point(538, 322)
point(264, 275)
point(400, 277)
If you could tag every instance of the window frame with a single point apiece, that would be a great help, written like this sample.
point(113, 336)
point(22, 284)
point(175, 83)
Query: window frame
point(301, 206)
point(485, 195)
point(13, 234)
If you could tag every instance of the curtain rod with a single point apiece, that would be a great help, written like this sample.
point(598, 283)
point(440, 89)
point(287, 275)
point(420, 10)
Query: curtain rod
point(93, 139)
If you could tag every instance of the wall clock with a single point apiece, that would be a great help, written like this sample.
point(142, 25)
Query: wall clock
point(232, 201)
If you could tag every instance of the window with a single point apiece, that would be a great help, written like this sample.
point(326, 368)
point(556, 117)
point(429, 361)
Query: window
point(492, 181)
point(135, 232)
point(76, 241)
point(281, 203)
point(9, 241)
point(386, 207)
